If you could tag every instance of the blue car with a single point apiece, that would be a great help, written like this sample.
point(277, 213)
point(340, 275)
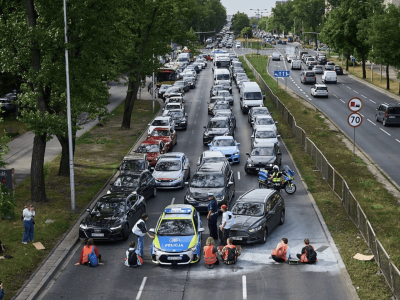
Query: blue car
point(228, 146)
point(283, 42)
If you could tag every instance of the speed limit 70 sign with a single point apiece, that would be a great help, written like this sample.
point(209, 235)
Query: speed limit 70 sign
point(354, 119)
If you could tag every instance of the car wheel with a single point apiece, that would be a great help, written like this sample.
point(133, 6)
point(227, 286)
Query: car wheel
point(376, 118)
point(154, 192)
point(246, 171)
point(282, 219)
point(125, 233)
point(265, 236)
point(384, 122)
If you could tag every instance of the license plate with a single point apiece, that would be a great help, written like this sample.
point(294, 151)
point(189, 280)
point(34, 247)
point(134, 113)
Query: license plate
point(165, 183)
point(257, 169)
point(236, 238)
point(392, 117)
point(203, 204)
point(97, 234)
point(174, 258)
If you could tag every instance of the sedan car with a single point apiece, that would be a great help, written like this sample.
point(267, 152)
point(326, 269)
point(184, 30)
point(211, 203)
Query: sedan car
point(177, 236)
point(183, 85)
point(180, 118)
point(215, 89)
point(142, 183)
point(263, 156)
point(227, 95)
point(163, 121)
point(319, 90)
point(172, 170)
point(264, 121)
point(171, 90)
point(330, 65)
point(227, 113)
point(256, 111)
point(213, 101)
point(318, 69)
point(134, 163)
point(153, 149)
point(163, 88)
point(339, 70)
point(264, 135)
point(220, 105)
point(211, 157)
point(112, 217)
point(166, 135)
point(228, 146)
point(257, 212)
point(217, 127)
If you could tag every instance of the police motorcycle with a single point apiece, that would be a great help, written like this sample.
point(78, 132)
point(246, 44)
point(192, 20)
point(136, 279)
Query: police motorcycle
point(264, 181)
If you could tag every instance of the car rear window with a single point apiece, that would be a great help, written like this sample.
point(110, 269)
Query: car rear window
point(322, 88)
point(394, 110)
point(310, 74)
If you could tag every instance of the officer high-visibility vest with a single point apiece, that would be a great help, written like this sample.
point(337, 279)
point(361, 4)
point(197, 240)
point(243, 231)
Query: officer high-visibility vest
point(275, 177)
point(209, 256)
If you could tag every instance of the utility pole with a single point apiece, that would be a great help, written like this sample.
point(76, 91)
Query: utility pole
point(258, 18)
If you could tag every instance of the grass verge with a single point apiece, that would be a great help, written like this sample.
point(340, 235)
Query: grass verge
point(97, 155)
point(12, 126)
point(380, 206)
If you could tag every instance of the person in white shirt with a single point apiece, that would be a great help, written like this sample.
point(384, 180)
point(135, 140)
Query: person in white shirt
point(28, 213)
point(228, 220)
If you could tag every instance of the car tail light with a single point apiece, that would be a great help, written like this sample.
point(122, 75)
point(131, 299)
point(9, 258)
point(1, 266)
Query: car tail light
point(3, 181)
point(386, 115)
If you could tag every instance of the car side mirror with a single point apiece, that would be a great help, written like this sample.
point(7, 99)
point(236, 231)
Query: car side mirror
point(152, 230)
point(88, 209)
point(238, 144)
point(263, 97)
point(152, 168)
point(278, 136)
point(201, 230)
point(186, 115)
point(272, 212)
point(276, 122)
point(186, 183)
point(230, 183)
point(247, 153)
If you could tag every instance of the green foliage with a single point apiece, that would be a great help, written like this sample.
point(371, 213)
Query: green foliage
point(7, 203)
point(247, 31)
point(240, 21)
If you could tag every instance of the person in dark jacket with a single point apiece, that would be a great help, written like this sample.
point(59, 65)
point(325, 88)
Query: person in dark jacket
point(140, 230)
point(212, 216)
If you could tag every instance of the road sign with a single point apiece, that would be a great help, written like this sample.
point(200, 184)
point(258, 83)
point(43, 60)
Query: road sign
point(355, 104)
point(281, 73)
point(353, 59)
point(354, 119)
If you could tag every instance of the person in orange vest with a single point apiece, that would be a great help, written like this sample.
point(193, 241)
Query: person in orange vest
point(308, 254)
point(86, 250)
point(210, 253)
point(282, 252)
point(230, 252)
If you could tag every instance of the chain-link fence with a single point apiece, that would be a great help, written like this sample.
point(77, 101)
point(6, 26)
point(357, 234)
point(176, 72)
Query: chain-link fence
point(340, 188)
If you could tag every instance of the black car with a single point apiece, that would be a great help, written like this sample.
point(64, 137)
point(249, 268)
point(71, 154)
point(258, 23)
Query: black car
point(183, 85)
point(215, 88)
point(215, 177)
point(339, 70)
point(216, 127)
point(112, 217)
point(134, 162)
point(256, 111)
point(257, 213)
point(142, 183)
point(180, 118)
point(263, 156)
point(163, 88)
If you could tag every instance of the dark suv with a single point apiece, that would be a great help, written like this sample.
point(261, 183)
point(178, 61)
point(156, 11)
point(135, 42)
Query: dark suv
point(215, 177)
point(217, 126)
point(388, 114)
point(134, 163)
point(308, 77)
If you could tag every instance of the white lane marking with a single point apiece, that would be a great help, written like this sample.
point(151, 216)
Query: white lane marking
point(238, 175)
point(342, 100)
point(141, 288)
point(244, 287)
point(355, 91)
point(301, 90)
point(372, 101)
point(192, 131)
point(173, 200)
point(397, 140)
point(348, 87)
point(361, 115)
point(385, 132)
point(195, 122)
point(371, 122)
point(363, 96)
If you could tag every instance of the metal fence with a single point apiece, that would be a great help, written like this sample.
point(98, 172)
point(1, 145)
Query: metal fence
point(341, 189)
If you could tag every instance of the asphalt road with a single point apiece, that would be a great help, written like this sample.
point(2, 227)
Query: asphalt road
point(255, 276)
point(381, 144)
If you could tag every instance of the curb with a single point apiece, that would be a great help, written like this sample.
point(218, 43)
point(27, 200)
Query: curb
point(43, 282)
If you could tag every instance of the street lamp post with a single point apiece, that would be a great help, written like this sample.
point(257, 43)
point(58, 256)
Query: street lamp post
point(258, 18)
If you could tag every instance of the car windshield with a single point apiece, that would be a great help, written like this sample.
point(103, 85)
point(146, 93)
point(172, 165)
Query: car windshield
point(223, 76)
point(148, 148)
point(262, 151)
point(252, 96)
point(172, 106)
point(160, 123)
point(176, 227)
point(160, 133)
point(223, 143)
point(318, 68)
point(310, 74)
point(127, 181)
point(176, 114)
point(218, 124)
point(165, 87)
point(215, 99)
point(207, 180)
point(109, 206)
point(179, 83)
point(218, 88)
point(132, 165)
point(168, 165)
point(223, 114)
point(222, 64)
point(265, 134)
point(222, 106)
point(224, 94)
point(248, 209)
point(214, 159)
point(257, 112)
point(264, 121)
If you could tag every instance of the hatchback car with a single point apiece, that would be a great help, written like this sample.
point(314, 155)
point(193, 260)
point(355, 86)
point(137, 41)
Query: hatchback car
point(339, 70)
point(214, 177)
point(264, 121)
point(142, 183)
point(256, 111)
point(263, 156)
point(257, 212)
point(319, 90)
point(163, 88)
point(211, 157)
point(183, 85)
point(228, 146)
point(330, 65)
point(153, 149)
point(112, 217)
point(318, 69)
point(388, 114)
point(134, 162)
point(172, 170)
point(177, 236)
point(217, 127)
point(213, 101)
point(163, 121)
point(308, 77)
point(264, 135)
point(214, 90)
point(166, 135)
point(180, 118)
point(227, 95)
point(226, 113)
point(220, 105)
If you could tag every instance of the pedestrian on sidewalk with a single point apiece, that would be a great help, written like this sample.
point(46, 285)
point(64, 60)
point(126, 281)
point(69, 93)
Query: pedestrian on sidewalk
point(140, 231)
point(86, 250)
point(28, 213)
point(14, 183)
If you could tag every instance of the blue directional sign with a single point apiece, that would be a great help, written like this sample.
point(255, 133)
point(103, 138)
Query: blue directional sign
point(281, 73)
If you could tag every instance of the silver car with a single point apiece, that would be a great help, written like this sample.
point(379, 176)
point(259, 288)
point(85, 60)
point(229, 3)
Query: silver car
point(318, 69)
point(172, 170)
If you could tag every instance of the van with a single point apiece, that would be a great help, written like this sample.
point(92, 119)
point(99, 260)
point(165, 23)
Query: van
point(250, 96)
point(295, 64)
point(329, 76)
point(388, 114)
point(221, 75)
point(184, 58)
point(276, 56)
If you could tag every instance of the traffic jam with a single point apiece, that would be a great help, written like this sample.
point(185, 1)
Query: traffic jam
point(154, 165)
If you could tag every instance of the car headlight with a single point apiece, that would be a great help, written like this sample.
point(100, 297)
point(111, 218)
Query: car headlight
point(236, 153)
point(116, 227)
point(108, 192)
point(183, 121)
point(206, 133)
point(155, 249)
point(178, 178)
point(255, 229)
point(249, 165)
point(189, 199)
point(193, 249)
point(83, 226)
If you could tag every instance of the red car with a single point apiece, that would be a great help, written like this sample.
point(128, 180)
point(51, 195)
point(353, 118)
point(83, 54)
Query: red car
point(208, 57)
point(153, 149)
point(166, 135)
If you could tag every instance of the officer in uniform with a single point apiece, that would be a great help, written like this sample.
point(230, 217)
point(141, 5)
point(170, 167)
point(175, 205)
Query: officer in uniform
point(212, 216)
point(277, 178)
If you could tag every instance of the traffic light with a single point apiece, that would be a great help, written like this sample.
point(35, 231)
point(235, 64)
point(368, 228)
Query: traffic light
point(301, 31)
point(274, 30)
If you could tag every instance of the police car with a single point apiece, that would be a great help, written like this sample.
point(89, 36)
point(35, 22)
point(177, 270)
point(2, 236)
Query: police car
point(177, 237)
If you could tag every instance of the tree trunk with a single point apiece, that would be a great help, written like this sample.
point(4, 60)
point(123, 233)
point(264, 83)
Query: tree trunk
point(347, 60)
point(64, 162)
point(387, 78)
point(131, 96)
point(38, 190)
point(364, 71)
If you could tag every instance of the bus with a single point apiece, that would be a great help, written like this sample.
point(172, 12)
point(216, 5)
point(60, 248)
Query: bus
point(168, 72)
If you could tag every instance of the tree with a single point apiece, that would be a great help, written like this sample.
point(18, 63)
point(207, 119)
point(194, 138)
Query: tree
point(247, 31)
point(240, 21)
point(283, 16)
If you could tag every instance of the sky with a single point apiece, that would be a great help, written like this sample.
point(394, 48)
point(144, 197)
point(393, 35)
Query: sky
point(233, 6)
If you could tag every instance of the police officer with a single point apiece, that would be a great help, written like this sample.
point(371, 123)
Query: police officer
point(277, 178)
point(212, 216)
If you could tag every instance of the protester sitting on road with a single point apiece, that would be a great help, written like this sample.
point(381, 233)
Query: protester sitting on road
point(308, 254)
point(282, 252)
point(2, 247)
point(210, 253)
point(230, 253)
point(27, 214)
point(133, 256)
point(86, 250)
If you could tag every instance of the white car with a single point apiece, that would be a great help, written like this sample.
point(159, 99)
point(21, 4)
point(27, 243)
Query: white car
point(319, 90)
point(264, 122)
point(163, 121)
point(330, 65)
point(264, 136)
point(329, 76)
